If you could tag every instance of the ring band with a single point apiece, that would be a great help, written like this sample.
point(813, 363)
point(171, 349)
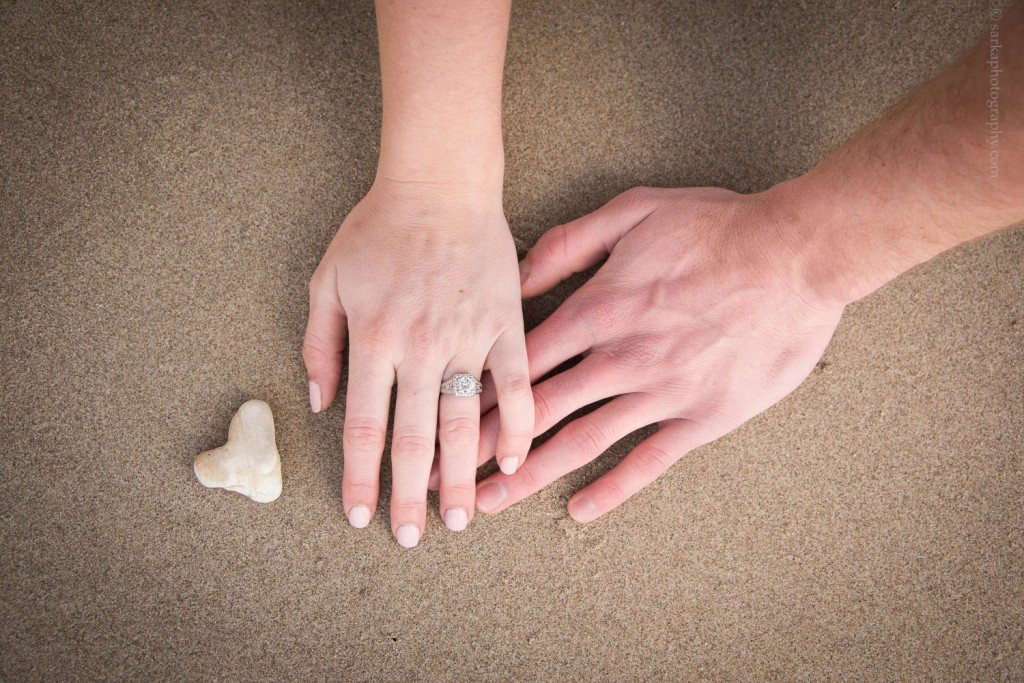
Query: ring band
point(462, 385)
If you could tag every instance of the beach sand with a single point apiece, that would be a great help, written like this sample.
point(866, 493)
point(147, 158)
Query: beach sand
point(171, 175)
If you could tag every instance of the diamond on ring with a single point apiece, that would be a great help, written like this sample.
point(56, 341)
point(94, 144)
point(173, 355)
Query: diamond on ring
point(462, 385)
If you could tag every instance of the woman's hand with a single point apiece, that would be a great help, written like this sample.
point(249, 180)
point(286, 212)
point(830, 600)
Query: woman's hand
point(698, 321)
point(424, 279)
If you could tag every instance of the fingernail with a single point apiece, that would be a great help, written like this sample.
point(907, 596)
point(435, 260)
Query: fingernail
point(490, 496)
point(456, 519)
point(314, 396)
point(581, 508)
point(408, 536)
point(434, 483)
point(359, 516)
point(509, 465)
point(524, 270)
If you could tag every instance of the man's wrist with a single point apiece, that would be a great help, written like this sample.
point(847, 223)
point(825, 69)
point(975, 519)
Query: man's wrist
point(839, 249)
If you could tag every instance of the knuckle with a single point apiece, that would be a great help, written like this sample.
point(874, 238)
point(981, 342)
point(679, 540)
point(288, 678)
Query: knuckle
point(605, 312)
point(514, 387)
point(316, 283)
point(613, 492)
point(638, 196)
point(641, 352)
point(653, 461)
point(409, 446)
point(460, 432)
point(557, 244)
point(423, 340)
point(363, 435)
point(569, 320)
point(315, 350)
point(407, 508)
point(459, 491)
point(358, 491)
point(310, 353)
point(542, 410)
point(374, 335)
point(528, 477)
point(586, 437)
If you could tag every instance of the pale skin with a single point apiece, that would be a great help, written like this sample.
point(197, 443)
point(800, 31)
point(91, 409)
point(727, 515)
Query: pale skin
point(712, 306)
point(422, 277)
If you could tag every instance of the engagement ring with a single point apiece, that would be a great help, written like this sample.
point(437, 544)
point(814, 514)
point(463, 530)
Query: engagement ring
point(462, 385)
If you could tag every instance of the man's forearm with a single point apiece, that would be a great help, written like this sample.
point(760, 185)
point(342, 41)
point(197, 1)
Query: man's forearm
point(942, 167)
point(441, 67)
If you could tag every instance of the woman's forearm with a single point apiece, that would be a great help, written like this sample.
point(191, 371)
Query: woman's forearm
point(441, 67)
point(940, 168)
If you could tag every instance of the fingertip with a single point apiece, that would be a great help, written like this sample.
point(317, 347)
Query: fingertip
point(582, 509)
point(456, 519)
point(408, 535)
point(534, 284)
point(359, 516)
point(490, 495)
point(533, 275)
point(323, 343)
point(315, 397)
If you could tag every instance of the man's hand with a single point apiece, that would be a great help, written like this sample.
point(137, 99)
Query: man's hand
point(713, 306)
point(425, 281)
point(695, 322)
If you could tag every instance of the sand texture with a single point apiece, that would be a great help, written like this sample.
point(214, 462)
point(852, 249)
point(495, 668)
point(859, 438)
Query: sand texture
point(170, 174)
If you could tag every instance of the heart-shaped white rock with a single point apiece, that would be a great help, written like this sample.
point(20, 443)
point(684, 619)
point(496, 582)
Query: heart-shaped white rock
point(249, 462)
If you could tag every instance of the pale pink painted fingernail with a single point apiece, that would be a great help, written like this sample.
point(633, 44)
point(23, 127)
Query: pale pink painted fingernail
point(581, 508)
point(456, 519)
point(524, 270)
point(314, 396)
point(408, 536)
point(359, 516)
point(490, 495)
point(509, 465)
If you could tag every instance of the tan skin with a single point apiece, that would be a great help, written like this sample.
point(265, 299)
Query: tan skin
point(711, 306)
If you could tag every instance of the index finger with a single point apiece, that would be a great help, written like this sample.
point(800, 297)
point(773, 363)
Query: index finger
point(367, 401)
point(510, 371)
point(647, 462)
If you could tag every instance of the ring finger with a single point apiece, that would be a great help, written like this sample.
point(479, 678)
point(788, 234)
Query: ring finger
point(459, 437)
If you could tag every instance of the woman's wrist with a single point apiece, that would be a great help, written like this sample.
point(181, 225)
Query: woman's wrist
point(462, 176)
point(470, 160)
point(438, 204)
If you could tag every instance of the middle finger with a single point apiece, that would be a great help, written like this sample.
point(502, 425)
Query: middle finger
point(412, 450)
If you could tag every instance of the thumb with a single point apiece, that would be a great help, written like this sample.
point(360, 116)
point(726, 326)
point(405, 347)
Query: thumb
point(324, 341)
point(579, 244)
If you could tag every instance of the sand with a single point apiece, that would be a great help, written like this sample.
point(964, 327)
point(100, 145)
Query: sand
point(171, 169)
